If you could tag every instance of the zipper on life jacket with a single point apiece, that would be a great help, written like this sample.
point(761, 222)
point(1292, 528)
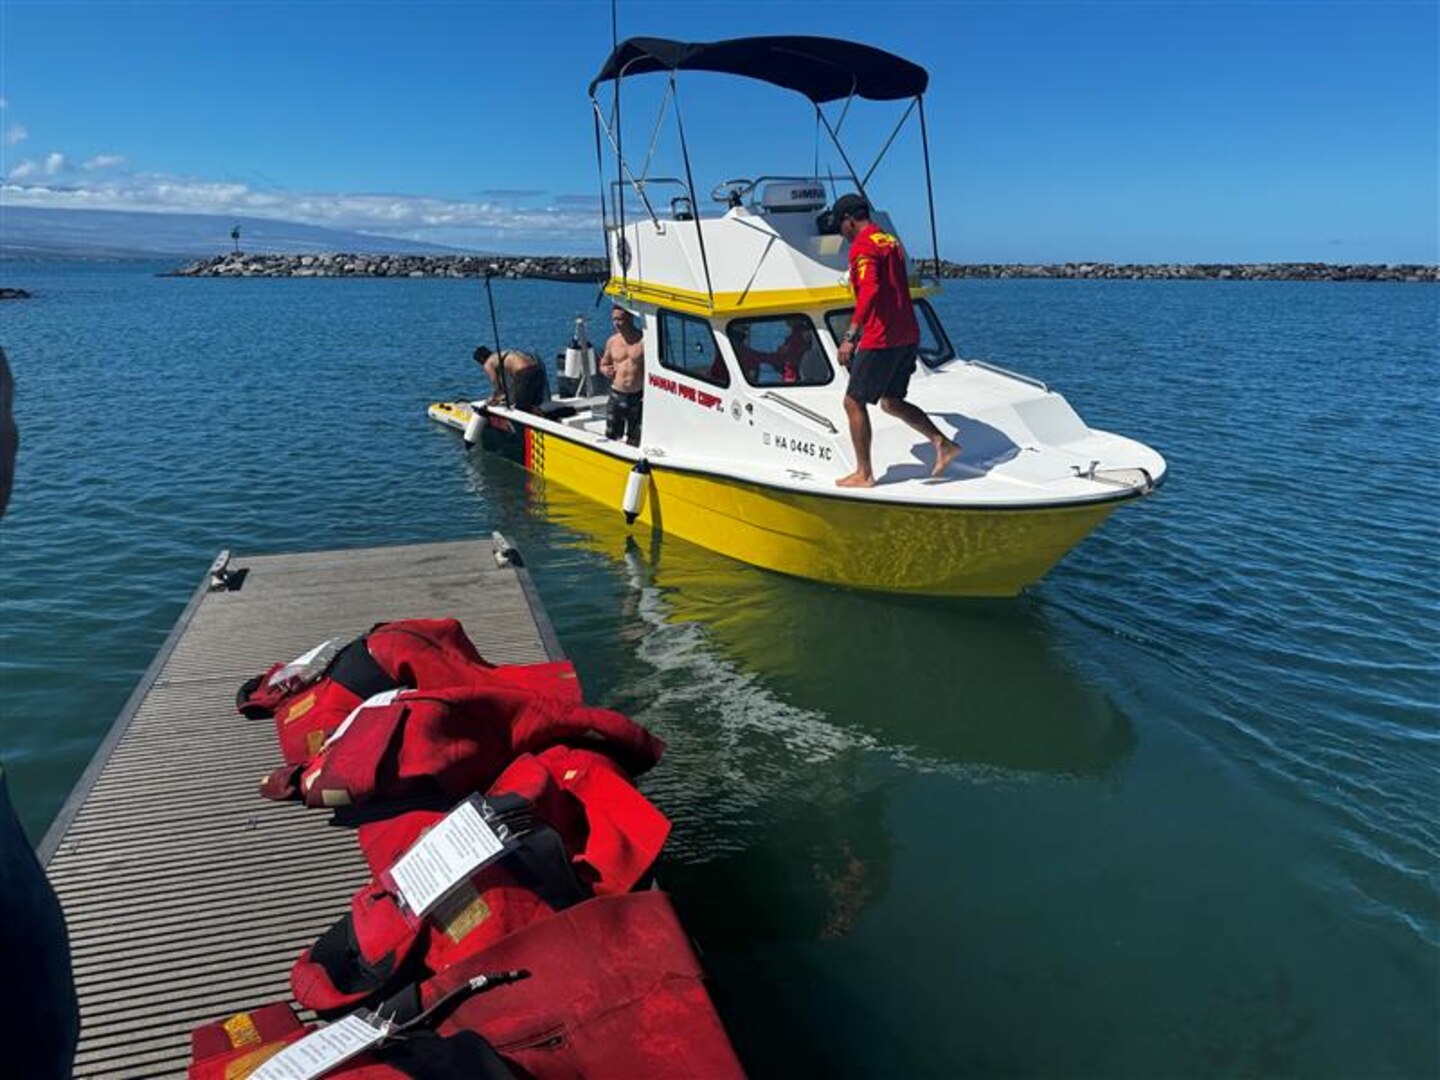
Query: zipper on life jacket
point(551, 1038)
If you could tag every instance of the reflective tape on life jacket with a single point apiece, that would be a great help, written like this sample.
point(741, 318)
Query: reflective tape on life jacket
point(453, 742)
point(593, 833)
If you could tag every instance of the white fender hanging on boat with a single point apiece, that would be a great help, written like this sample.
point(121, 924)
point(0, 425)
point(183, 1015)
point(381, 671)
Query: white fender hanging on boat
point(635, 491)
point(473, 427)
point(579, 361)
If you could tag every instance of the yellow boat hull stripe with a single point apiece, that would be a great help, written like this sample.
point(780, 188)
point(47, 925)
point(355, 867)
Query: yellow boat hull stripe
point(937, 551)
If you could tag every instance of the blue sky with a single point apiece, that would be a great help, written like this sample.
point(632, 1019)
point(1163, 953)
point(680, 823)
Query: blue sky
point(1124, 131)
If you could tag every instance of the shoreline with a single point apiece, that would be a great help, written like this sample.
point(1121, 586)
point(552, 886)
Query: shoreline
point(593, 270)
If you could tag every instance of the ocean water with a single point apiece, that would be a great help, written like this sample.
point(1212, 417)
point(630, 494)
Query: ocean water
point(1171, 813)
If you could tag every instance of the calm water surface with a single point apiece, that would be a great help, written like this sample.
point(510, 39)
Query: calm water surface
point(1172, 813)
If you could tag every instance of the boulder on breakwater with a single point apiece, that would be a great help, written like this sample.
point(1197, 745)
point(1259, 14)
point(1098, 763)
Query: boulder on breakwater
point(330, 265)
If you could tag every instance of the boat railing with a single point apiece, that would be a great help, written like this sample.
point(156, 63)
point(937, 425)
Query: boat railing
point(642, 185)
point(809, 414)
point(998, 370)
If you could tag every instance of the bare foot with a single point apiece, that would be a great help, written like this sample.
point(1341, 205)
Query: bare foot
point(947, 453)
point(856, 480)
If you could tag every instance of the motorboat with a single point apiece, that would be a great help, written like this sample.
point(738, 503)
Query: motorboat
point(744, 431)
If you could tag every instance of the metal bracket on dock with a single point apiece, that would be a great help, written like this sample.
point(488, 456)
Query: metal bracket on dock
point(506, 553)
point(222, 578)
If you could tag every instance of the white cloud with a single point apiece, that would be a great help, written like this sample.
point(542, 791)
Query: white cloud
point(104, 161)
point(16, 133)
point(4, 103)
point(54, 163)
point(413, 217)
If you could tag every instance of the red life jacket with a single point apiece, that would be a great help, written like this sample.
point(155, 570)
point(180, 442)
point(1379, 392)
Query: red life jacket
point(610, 988)
point(453, 742)
point(416, 653)
point(594, 834)
point(613, 989)
point(234, 1048)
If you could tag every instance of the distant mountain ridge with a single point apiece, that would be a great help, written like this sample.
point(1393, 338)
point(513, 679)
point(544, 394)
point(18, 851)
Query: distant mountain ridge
point(34, 232)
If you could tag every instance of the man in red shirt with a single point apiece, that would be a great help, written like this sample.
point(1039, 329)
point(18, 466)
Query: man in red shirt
point(888, 337)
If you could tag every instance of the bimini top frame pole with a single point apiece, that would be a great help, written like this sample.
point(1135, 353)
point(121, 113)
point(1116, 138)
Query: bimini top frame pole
point(822, 69)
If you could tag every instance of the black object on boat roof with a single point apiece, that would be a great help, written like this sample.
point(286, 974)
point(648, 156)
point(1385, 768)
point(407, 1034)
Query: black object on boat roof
point(823, 69)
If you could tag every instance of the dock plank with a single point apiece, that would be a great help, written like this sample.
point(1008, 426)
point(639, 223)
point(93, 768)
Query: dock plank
point(188, 896)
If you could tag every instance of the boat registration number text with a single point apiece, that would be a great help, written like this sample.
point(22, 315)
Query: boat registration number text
point(799, 446)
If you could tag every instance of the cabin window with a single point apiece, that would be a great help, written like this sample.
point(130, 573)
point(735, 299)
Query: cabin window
point(687, 345)
point(935, 347)
point(779, 351)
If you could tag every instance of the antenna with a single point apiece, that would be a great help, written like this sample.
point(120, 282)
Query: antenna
point(495, 328)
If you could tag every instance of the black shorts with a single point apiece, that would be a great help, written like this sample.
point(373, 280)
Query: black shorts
point(881, 373)
point(622, 416)
point(529, 388)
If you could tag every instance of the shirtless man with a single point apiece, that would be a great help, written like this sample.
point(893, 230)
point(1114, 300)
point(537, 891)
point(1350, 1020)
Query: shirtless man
point(623, 363)
point(524, 378)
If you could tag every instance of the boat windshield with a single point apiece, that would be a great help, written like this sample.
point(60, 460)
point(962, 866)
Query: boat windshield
point(779, 350)
point(935, 347)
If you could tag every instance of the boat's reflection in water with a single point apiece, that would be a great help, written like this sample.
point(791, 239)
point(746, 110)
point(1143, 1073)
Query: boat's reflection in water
point(808, 728)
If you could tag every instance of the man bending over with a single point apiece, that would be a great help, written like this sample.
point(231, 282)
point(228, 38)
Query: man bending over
point(524, 378)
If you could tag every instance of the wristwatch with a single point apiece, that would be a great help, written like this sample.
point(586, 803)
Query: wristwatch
point(852, 335)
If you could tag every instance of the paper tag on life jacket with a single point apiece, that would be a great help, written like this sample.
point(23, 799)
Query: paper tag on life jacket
point(306, 667)
point(448, 854)
point(374, 701)
point(325, 1049)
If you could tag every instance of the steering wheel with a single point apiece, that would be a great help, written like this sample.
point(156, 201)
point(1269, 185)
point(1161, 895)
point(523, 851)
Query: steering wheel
point(731, 192)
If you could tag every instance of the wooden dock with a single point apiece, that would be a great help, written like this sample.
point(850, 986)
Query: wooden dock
point(188, 896)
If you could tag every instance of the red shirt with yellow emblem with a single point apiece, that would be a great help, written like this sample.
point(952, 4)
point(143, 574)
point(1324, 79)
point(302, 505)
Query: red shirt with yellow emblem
point(883, 310)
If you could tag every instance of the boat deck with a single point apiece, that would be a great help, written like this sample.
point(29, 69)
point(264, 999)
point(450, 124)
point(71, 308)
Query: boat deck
point(188, 896)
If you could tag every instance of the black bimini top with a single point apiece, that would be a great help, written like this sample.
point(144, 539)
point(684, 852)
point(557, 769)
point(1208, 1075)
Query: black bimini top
point(823, 69)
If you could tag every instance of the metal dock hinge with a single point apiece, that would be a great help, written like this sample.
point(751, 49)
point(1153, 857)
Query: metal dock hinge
point(506, 553)
point(222, 578)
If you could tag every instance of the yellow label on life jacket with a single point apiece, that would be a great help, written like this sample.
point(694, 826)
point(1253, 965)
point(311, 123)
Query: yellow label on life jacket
point(460, 913)
point(314, 741)
point(300, 708)
point(242, 1031)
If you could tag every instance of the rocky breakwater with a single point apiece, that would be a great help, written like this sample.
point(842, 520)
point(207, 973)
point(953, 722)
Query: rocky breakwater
point(577, 268)
point(1187, 271)
point(549, 267)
